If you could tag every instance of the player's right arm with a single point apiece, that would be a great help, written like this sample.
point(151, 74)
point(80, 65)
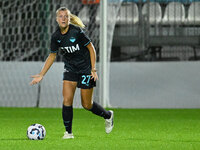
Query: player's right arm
point(49, 61)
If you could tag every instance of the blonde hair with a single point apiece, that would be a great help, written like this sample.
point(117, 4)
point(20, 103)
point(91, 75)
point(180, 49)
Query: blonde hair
point(73, 18)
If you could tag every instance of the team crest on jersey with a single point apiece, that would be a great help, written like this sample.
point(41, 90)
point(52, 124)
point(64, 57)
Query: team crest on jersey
point(72, 39)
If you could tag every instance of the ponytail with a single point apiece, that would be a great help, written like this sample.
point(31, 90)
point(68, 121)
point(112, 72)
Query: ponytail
point(73, 18)
point(76, 21)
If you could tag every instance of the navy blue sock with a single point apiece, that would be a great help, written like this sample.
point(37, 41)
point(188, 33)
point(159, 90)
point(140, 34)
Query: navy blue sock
point(100, 111)
point(67, 114)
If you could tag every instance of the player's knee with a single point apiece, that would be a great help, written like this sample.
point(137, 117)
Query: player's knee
point(87, 106)
point(67, 101)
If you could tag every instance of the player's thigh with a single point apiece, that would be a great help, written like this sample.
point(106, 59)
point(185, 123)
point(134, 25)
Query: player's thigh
point(86, 98)
point(69, 88)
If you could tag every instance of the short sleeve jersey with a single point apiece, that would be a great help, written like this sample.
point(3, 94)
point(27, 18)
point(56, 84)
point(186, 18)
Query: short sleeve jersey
point(72, 46)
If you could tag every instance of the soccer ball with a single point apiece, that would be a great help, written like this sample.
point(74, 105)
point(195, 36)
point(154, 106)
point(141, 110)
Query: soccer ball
point(36, 132)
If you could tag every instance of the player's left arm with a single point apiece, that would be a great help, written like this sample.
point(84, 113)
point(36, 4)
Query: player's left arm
point(93, 61)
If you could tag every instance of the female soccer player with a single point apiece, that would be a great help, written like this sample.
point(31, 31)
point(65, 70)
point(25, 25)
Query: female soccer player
point(79, 57)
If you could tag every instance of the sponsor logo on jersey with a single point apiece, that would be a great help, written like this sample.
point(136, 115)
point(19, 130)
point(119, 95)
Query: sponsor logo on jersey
point(71, 49)
point(58, 41)
point(72, 39)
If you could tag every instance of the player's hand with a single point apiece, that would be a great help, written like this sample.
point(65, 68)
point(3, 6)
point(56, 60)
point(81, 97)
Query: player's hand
point(94, 75)
point(36, 79)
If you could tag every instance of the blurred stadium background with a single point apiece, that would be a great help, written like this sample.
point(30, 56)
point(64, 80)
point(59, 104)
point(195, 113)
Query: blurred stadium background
point(152, 51)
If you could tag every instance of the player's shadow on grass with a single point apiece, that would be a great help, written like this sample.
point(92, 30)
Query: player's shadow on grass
point(13, 139)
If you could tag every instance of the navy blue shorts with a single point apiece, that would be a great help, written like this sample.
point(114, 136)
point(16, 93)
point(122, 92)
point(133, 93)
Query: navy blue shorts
point(84, 81)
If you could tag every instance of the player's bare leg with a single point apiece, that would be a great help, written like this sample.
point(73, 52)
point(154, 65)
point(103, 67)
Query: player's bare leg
point(86, 98)
point(69, 88)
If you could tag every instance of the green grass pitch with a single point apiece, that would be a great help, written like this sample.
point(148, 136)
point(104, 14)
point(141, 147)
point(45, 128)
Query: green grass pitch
point(135, 129)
